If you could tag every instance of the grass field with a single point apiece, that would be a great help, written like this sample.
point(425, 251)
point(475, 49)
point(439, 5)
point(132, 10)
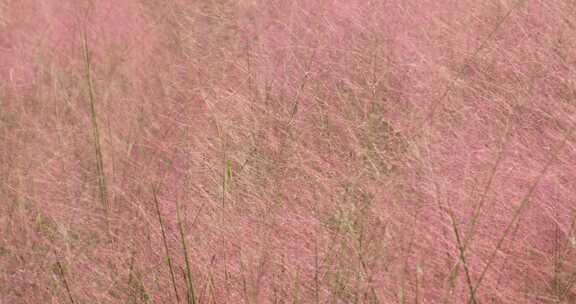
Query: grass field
point(287, 151)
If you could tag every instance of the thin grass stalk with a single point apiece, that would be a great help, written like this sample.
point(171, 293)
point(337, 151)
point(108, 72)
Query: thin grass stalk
point(487, 187)
point(95, 128)
point(305, 79)
point(557, 282)
point(523, 204)
point(462, 256)
point(463, 245)
point(455, 270)
point(570, 241)
point(365, 269)
point(211, 289)
point(296, 292)
point(245, 291)
point(65, 281)
point(570, 282)
point(454, 273)
point(402, 291)
point(130, 275)
point(188, 274)
point(460, 245)
point(316, 273)
point(137, 290)
point(440, 100)
point(223, 142)
point(418, 283)
point(225, 172)
point(168, 256)
point(526, 288)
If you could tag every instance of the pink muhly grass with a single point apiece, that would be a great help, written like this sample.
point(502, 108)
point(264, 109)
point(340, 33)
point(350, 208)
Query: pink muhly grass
point(307, 151)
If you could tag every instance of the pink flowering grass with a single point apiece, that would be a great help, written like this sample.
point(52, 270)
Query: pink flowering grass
point(281, 151)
